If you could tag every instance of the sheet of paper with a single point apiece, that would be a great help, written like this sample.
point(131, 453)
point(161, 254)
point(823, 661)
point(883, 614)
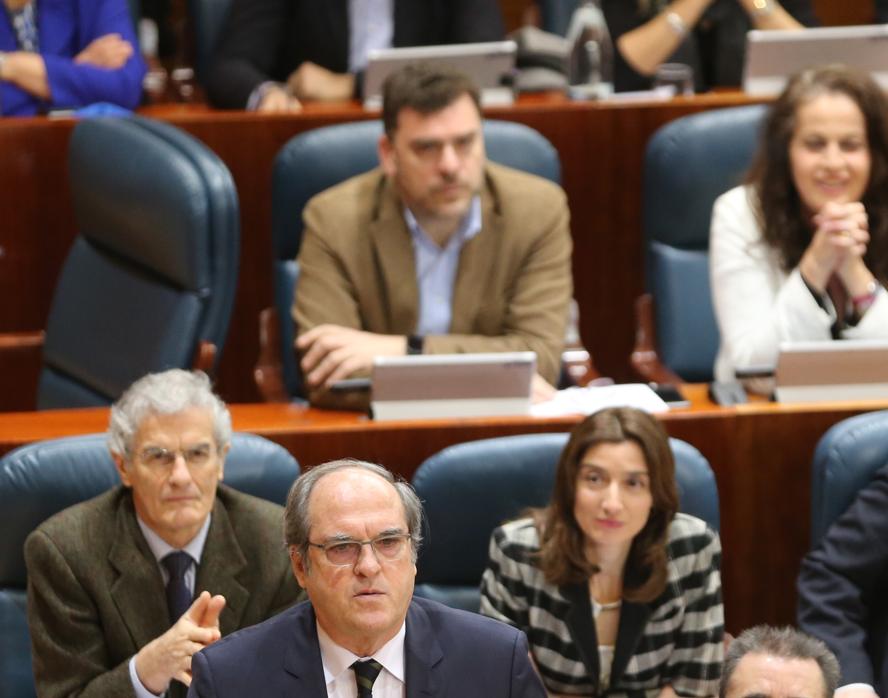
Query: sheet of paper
point(592, 399)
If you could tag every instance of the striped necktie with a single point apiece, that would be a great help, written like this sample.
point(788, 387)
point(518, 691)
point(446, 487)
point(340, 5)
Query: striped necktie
point(365, 674)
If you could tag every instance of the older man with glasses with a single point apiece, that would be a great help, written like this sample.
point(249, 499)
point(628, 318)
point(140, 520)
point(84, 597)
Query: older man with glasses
point(123, 589)
point(353, 533)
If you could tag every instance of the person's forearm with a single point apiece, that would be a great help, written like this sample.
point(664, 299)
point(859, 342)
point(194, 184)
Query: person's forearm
point(769, 14)
point(653, 42)
point(27, 70)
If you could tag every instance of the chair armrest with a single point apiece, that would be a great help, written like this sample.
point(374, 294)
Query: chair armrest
point(21, 355)
point(204, 357)
point(644, 358)
point(577, 363)
point(268, 373)
point(22, 341)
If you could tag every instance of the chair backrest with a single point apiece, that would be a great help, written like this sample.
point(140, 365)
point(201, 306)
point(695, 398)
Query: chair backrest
point(207, 19)
point(316, 160)
point(689, 162)
point(555, 15)
point(846, 459)
point(471, 488)
point(41, 479)
point(153, 270)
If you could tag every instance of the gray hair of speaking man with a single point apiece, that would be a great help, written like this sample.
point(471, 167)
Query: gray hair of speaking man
point(786, 643)
point(297, 522)
point(167, 392)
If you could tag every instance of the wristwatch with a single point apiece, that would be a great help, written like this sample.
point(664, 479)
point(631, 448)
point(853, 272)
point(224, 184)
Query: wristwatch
point(415, 344)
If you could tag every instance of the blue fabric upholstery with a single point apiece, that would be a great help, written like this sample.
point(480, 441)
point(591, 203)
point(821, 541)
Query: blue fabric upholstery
point(316, 160)
point(690, 162)
point(688, 341)
point(555, 15)
point(471, 488)
point(153, 271)
point(16, 679)
point(846, 459)
point(207, 19)
point(42, 478)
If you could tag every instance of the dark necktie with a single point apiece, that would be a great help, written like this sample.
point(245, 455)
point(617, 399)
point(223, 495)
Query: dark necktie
point(179, 597)
point(365, 674)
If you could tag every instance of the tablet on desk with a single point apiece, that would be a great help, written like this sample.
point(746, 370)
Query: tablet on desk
point(430, 386)
point(773, 55)
point(832, 370)
point(490, 64)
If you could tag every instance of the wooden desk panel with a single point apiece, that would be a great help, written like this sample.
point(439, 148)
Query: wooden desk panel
point(761, 455)
point(601, 148)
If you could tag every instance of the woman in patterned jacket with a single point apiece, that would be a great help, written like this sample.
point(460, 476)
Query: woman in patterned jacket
point(617, 592)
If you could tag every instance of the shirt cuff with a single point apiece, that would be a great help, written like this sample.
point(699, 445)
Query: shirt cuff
point(255, 98)
point(856, 686)
point(141, 691)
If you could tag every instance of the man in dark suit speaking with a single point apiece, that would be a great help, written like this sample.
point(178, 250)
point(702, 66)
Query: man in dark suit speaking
point(353, 533)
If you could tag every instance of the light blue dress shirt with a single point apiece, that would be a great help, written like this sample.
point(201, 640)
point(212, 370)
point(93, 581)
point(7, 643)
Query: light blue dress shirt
point(371, 26)
point(436, 269)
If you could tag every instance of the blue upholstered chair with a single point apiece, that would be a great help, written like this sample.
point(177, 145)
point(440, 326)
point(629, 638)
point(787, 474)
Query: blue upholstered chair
point(846, 459)
point(689, 162)
point(42, 478)
point(316, 160)
point(149, 282)
point(555, 15)
point(207, 20)
point(471, 488)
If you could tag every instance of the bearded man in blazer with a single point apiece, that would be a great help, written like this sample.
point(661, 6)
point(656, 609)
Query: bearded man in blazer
point(435, 252)
point(98, 609)
point(353, 532)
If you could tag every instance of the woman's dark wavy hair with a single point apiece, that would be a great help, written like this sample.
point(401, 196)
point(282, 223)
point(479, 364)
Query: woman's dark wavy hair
point(785, 226)
point(562, 556)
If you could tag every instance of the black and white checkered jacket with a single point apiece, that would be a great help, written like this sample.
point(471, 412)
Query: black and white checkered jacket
point(674, 640)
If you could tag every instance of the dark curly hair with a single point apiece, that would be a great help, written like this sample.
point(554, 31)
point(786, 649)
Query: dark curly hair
point(785, 227)
point(562, 557)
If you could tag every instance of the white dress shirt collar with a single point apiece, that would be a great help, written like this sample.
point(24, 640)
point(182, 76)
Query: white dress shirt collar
point(160, 548)
point(340, 679)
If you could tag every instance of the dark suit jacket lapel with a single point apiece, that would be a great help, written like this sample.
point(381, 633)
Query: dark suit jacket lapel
point(393, 249)
point(416, 22)
point(221, 567)
point(473, 273)
point(333, 14)
point(580, 622)
point(138, 592)
point(582, 626)
point(423, 667)
point(633, 619)
point(302, 656)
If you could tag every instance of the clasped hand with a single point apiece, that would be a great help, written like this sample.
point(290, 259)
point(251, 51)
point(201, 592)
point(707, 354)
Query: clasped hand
point(309, 82)
point(838, 245)
point(168, 657)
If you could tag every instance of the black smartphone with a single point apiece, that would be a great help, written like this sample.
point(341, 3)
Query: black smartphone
point(670, 394)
